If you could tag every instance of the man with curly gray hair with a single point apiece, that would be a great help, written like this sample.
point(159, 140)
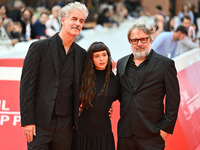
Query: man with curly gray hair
point(50, 82)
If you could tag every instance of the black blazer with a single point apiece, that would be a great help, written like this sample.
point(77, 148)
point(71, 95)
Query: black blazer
point(147, 116)
point(40, 81)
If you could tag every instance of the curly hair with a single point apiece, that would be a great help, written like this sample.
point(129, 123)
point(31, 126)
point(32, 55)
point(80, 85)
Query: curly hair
point(65, 11)
point(88, 90)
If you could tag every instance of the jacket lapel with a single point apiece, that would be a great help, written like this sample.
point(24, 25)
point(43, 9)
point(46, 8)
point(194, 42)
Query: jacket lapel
point(54, 53)
point(123, 76)
point(77, 56)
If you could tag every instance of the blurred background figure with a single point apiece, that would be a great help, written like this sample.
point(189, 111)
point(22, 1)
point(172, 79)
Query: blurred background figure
point(196, 15)
point(91, 21)
point(40, 27)
point(17, 32)
point(160, 11)
point(185, 10)
point(133, 7)
point(189, 41)
point(3, 11)
point(169, 25)
point(166, 42)
point(38, 12)
point(6, 43)
point(44, 3)
point(159, 25)
point(53, 24)
point(27, 26)
point(61, 3)
point(120, 12)
point(15, 11)
point(145, 11)
point(8, 24)
point(105, 19)
point(186, 21)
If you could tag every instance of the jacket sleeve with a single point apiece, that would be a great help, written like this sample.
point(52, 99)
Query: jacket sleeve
point(118, 75)
point(172, 99)
point(28, 83)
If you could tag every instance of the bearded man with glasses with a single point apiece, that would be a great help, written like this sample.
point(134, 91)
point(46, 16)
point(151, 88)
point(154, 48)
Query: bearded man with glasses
point(150, 94)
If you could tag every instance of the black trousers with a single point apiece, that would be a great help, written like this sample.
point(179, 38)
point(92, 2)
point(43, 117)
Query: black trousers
point(58, 136)
point(140, 143)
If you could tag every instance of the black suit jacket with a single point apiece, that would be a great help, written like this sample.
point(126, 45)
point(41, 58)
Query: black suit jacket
point(40, 81)
point(142, 111)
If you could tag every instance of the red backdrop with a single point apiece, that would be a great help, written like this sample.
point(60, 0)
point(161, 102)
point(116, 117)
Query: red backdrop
point(187, 130)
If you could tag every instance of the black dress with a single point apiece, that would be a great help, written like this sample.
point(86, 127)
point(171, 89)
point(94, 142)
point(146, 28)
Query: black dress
point(95, 131)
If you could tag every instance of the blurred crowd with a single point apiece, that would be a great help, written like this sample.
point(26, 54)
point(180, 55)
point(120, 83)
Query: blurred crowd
point(24, 23)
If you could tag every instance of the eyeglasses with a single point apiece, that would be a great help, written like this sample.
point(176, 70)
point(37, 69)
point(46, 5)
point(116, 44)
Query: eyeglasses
point(142, 40)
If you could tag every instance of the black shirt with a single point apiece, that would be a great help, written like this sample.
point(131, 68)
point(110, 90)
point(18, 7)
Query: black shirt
point(63, 57)
point(65, 92)
point(135, 73)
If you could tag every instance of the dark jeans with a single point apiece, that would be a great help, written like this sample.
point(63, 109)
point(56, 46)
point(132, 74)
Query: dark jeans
point(58, 136)
point(140, 143)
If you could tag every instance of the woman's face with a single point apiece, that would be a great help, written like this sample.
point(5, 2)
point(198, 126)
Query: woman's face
point(100, 59)
point(27, 15)
point(3, 10)
point(185, 8)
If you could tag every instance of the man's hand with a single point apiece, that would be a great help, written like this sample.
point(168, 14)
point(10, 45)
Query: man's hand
point(14, 41)
point(164, 134)
point(29, 131)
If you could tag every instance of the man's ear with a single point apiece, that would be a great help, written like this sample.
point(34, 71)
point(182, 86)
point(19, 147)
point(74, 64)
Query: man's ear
point(63, 20)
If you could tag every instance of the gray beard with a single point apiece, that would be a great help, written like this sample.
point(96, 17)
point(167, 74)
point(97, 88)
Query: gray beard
point(140, 54)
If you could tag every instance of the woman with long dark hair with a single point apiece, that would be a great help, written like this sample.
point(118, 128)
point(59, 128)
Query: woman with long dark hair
point(3, 11)
point(99, 88)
